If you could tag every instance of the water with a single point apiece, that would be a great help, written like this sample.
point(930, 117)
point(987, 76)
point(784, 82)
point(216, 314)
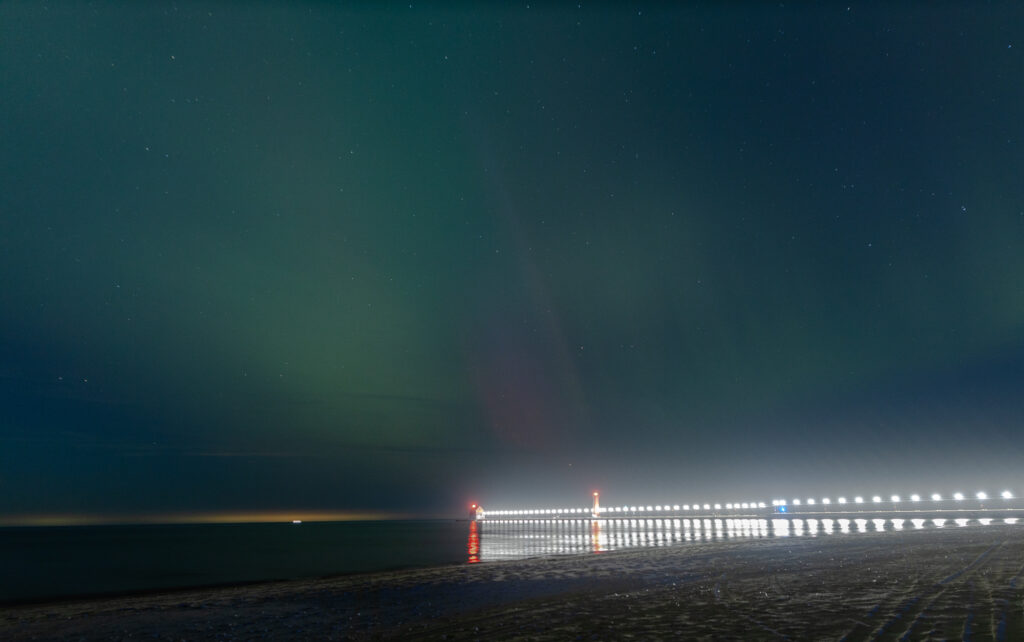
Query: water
point(47, 563)
point(495, 540)
point(51, 562)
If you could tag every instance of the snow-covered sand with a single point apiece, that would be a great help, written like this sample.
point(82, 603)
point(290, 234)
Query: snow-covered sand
point(949, 583)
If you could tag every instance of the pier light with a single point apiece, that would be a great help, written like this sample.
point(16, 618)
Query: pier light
point(686, 507)
point(841, 500)
point(915, 498)
point(718, 507)
point(936, 497)
point(958, 496)
point(632, 509)
point(858, 500)
point(650, 508)
point(876, 499)
point(707, 506)
point(796, 502)
point(746, 505)
point(658, 507)
point(1007, 494)
point(810, 502)
point(895, 499)
point(675, 506)
point(775, 502)
point(826, 500)
point(982, 495)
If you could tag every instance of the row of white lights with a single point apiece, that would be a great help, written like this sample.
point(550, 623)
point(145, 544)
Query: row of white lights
point(756, 523)
point(625, 509)
point(877, 499)
point(895, 499)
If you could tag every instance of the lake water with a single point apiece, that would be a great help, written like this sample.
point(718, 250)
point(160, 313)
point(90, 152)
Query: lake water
point(53, 562)
point(49, 562)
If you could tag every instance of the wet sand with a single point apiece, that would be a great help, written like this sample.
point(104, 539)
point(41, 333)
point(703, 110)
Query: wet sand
point(951, 583)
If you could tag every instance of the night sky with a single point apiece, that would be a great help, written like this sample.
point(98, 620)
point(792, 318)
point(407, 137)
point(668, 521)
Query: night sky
point(394, 258)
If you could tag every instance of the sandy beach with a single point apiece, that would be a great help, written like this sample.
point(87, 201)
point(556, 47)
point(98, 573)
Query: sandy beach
point(942, 584)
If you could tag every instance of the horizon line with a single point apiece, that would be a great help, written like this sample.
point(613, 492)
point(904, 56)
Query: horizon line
point(199, 517)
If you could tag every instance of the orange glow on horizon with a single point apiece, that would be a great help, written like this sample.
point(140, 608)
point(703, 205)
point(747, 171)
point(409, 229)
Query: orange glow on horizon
point(225, 517)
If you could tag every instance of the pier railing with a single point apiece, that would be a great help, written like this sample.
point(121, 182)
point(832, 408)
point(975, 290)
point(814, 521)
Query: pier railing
point(954, 504)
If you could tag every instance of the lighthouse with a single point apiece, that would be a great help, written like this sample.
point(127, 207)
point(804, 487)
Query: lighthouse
point(597, 505)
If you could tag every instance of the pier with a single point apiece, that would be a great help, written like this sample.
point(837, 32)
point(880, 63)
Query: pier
point(934, 506)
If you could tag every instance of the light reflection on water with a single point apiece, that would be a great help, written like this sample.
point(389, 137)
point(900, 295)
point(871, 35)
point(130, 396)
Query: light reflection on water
point(493, 540)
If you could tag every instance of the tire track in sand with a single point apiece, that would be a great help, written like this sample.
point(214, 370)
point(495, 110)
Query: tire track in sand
point(917, 608)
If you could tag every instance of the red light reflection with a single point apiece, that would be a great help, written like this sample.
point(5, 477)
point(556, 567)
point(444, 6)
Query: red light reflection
point(474, 544)
point(595, 531)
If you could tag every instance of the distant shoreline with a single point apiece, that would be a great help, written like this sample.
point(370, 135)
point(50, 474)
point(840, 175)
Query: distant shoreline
point(948, 582)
